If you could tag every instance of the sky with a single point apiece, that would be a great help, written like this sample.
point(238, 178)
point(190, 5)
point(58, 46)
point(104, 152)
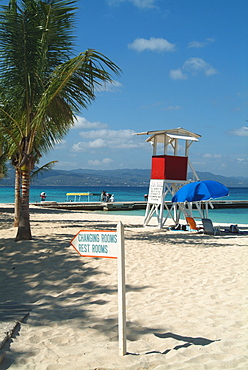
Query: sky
point(184, 64)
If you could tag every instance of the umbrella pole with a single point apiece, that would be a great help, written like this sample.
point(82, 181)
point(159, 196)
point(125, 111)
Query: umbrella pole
point(198, 206)
point(190, 209)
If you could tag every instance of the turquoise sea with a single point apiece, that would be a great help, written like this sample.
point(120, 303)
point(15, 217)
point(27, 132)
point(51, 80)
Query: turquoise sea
point(58, 194)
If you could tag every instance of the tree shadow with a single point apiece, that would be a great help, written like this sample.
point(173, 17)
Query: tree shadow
point(185, 239)
point(35, 281)
point(46, 276)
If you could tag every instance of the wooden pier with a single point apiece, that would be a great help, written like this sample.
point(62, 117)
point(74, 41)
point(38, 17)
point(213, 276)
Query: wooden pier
point(127, 206)
point(94, 206)
point(230, 203)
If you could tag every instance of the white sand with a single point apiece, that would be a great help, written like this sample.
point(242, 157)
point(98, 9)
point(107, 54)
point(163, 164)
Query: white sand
point(186, 296)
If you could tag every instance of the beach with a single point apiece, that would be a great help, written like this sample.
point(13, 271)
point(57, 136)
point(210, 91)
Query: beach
point(186, 296)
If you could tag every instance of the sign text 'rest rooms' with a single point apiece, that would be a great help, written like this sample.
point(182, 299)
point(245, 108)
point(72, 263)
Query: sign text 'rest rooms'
point(96, 244)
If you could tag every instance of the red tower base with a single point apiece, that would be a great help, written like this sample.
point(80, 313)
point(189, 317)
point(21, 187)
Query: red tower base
point(168, 167)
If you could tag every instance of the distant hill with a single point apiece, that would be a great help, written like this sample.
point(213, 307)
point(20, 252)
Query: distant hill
point(124, 177)
point(235, 182)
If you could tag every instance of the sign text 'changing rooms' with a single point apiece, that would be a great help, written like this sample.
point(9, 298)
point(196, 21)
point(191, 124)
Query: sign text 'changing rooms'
point(96, 243)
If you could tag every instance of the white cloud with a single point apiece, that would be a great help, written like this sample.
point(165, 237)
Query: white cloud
point(221, 164)
point(200, 44)
point(139, 3)
point(109, 86)
point(107, 134)
point(61, 144)
point(97, 163)
point(107, 161)
point(209, 71)
point(173, 107)
point(81, 122)
point(177, 74)
point(241, 160)
point(192, 66)
point(242, 131)
point(153, 44)
point(85, 146)
point(80, 147)
point(112, 139)
point(213, 155)
point(98, 143)
point(196, 65)
point(144, 3)
point(94, 162)
point(65, 164)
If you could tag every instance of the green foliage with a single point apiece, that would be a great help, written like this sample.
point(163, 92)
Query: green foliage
point(42, 84)
point(45, 168)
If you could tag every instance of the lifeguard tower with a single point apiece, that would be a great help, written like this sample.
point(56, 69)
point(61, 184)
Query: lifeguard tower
point(169, 172)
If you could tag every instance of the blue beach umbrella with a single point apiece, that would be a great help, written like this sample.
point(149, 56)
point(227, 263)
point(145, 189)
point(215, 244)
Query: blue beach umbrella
point(200, 191)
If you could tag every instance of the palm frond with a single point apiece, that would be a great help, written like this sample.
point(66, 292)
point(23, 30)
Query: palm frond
point(45, 168)
point(72, 86)
point(41, 88)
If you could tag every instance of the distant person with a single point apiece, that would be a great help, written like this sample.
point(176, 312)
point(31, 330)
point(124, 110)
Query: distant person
point(108, 197)
point(42, 196)
point(112, 198)
point(146, 196)
point(103, 196)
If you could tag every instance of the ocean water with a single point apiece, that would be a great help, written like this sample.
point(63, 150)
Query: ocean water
point(58, 194)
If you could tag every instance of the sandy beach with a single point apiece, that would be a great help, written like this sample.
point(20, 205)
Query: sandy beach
point(187, 302)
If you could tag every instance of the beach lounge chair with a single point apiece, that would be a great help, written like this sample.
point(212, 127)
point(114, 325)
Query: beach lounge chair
point(192, 224)
point(208, 227)
point(234, 229)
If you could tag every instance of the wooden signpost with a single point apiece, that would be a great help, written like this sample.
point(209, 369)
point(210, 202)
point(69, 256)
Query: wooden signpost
point(107, 244)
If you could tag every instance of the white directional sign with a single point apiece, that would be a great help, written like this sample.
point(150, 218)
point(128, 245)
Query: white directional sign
point(107, 244)
point(96, 243)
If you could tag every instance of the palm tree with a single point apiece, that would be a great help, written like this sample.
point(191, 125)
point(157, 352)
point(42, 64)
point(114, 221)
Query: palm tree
point(33, 175)
point(42, 86)
point(3, 157)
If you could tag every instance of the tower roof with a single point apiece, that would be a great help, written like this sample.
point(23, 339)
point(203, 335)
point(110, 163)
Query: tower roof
point(176, 133)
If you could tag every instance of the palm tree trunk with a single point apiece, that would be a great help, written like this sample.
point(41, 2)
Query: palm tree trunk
point(24, 230)
point(17, 197)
